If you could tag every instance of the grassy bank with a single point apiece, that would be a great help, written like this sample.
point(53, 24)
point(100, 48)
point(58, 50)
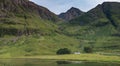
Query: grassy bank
point(81, 57)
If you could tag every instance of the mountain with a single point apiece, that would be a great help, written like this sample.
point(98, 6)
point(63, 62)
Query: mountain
point(98, 28)
point(105, 14)
point(71, 14)
point(102, 15)
point(108, 12)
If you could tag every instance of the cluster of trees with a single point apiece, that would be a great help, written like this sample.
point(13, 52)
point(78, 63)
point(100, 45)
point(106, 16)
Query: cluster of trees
point(88, 50)
point(68, 51)
point(63, 51)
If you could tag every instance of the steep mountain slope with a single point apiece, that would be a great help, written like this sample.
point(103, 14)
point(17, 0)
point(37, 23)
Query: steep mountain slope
point(24, 17)
point(112, 10)
point(71, 14)
point(25, 6)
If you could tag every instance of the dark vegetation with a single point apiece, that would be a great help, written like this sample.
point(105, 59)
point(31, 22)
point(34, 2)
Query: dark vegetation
point(63, 51)
point(88, 49)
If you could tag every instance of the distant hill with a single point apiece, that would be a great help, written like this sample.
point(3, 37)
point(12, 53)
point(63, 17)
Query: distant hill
point(71, 14)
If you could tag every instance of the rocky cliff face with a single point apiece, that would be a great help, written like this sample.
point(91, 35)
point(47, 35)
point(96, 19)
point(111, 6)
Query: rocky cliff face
point(71, 14)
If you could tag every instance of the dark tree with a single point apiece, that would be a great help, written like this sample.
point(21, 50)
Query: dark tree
point(63, 51)
point(88, 49)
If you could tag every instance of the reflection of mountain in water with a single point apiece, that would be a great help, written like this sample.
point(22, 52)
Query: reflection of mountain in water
point(37, 62)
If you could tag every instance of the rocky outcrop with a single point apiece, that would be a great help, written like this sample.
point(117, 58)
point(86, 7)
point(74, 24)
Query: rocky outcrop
point(71, 14)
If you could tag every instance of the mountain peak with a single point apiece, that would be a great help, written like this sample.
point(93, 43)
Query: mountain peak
point(71, 14)
point(73, 8)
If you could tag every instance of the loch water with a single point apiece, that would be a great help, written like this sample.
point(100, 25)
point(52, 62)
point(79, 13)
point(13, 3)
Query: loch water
point(38, 62)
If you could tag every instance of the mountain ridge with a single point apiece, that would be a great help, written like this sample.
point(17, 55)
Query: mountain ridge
point(103, 9)
point(23, 6)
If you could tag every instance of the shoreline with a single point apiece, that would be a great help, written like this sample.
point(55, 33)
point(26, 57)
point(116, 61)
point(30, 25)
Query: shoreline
point(73, 57)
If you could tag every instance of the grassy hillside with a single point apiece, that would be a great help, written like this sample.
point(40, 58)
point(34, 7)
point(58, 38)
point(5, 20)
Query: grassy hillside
point(19, 26)
point(32, 36)
point(27, 29)
point(30, 30)
point(11, 46)
point(100, 38)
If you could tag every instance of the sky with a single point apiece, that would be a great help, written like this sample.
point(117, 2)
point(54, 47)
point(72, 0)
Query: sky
point(59, 6)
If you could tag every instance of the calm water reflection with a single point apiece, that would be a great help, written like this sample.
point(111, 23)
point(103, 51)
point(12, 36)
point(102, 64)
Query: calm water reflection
point(37, 62)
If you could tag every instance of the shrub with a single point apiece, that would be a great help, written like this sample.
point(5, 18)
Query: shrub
point(88, 49)
point(28, 49)
point(63, 51)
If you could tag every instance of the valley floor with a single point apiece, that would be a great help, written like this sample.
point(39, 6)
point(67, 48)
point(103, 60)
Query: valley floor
point(81, 57)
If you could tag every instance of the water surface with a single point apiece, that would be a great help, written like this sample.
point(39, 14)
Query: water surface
point(37, 62)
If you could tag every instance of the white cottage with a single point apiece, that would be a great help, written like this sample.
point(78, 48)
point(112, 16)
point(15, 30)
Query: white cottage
point(77, 53)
